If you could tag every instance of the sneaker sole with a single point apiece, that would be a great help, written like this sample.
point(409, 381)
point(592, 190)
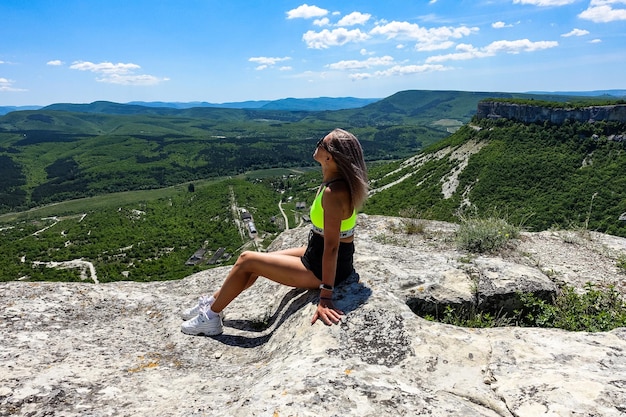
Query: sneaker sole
point(208, 333)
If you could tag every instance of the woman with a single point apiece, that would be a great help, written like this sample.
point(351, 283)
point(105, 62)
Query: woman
point(327, 259)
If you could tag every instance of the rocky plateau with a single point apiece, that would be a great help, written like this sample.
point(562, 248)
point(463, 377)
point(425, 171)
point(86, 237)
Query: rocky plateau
point(115, 349)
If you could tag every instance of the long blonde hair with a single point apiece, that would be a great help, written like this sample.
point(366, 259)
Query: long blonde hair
point(348, 154)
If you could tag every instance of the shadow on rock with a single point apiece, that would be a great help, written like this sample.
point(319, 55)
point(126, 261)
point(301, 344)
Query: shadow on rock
point(349, 296)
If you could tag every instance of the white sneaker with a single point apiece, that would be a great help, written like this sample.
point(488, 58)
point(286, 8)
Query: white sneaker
point(193, 311)
point(205, 323)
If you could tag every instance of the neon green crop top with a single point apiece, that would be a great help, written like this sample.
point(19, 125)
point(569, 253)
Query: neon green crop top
point(317, 217)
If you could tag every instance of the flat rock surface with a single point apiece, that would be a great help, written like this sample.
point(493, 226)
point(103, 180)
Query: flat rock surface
point(72, 349)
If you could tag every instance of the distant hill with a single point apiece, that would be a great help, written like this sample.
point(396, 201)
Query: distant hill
point(319, 104)
point(160, 108)
point(190, 104)
point(290, 104)
point(596, 93)
point(306, 104)
point(312, 104)
point(7, 109)
point(408, 105)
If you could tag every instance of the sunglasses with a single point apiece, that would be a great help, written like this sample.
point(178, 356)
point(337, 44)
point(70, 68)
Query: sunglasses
point(322, 144)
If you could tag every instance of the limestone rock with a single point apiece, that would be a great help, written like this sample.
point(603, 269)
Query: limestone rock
point(116, 349)
point(528, 113)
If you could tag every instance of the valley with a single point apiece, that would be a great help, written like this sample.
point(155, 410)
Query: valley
point(101, 203)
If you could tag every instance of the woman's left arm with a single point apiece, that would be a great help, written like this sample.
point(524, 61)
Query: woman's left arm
point(332, 202)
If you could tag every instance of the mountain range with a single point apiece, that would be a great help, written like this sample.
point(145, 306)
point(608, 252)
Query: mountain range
point(292, 104)
point(307, 104)
point(541, 174)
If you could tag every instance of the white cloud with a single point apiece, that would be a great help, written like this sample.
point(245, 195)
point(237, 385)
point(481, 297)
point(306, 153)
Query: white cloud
point(424, 47)
point(7, 85)
point(306, 12)
point(410, 69)
point(285, 68)
point(360, 76)
point(267, 62)
point(595, 41)
point(575, 32)
point(55, 63)
point(368, 63)
point(466, 51)
point(545, 2)
point(399, 70)
point(130, 79)
point(354, 18)
point(104, 67)
point(520, 45)
point(119, 73)
point(321, 22)
point(500, 25)
point(602, 11)
point(428, 39)
point(335, 37)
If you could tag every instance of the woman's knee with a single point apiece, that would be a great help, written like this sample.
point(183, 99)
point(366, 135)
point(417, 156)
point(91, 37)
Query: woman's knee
point(246, 258)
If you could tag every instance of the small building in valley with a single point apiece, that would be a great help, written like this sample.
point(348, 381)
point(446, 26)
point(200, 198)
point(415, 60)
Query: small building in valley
point(196, 258)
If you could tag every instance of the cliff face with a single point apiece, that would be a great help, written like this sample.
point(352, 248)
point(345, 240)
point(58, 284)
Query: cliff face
point(531, 114)
point(79, 349)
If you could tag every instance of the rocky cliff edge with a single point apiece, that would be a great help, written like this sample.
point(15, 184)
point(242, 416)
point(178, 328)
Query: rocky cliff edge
point(71, 349)
point(527, 113)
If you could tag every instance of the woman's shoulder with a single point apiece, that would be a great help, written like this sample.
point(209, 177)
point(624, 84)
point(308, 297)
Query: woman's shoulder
point(337, 186)
point(337, 192)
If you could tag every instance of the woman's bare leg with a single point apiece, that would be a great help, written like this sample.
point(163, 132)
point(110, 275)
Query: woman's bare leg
point(298, 252)
point(284, 267)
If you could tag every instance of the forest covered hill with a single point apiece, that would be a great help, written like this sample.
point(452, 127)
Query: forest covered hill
point(539, 175)
point(78, 150)
point(428, 157)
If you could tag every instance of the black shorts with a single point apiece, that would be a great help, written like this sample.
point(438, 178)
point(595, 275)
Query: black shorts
point(312, 258)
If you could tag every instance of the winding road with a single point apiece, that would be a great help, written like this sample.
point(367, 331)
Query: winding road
point(280, 207)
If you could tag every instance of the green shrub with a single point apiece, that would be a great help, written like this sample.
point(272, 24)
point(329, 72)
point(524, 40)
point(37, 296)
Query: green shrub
point(595, 310)
point(482, 235)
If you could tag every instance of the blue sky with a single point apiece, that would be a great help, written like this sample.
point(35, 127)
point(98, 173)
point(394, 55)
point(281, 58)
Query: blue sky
point(218, 51)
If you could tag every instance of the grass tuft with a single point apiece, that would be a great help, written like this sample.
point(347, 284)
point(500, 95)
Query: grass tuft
point(411, 221)
point(621, 263)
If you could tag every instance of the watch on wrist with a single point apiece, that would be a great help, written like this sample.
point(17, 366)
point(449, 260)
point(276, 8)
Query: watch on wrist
point(326, 287)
